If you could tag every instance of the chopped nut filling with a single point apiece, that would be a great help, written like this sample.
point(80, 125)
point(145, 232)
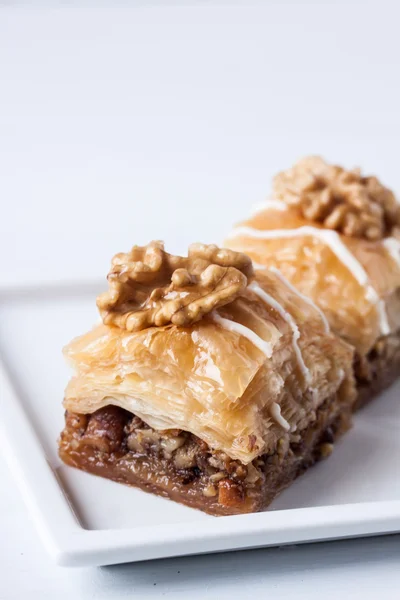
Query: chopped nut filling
point(149, 287)
point(343, 200)
point(112, 434)
point(385, 352)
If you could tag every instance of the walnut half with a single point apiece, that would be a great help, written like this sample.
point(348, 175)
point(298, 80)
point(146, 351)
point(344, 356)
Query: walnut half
point(149, 287)
point(354, 205)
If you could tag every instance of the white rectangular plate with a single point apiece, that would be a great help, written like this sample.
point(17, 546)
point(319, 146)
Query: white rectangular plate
point(86, 520)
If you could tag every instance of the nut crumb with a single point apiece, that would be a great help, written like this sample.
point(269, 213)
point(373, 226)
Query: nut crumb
point(325, 450)
point(343, 200)
point(230, 494)
point(149, 287)
point(217, 476)
point(209, 491)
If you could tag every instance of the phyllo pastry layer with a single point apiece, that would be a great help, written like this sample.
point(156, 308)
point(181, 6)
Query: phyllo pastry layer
point(233, 368)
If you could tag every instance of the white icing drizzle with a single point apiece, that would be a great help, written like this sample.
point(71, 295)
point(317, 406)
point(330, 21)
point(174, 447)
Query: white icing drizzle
point(275, 412)
point(341, 375)
point(289, 320)
point(268, 204)
point(331, 239)
point(383, 318)
point(255, 339)
point(259, 267)
point(392, 246)
point(305, 299)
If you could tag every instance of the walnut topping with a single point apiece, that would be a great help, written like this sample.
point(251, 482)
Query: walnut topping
point(338, 199)
point(149, 287)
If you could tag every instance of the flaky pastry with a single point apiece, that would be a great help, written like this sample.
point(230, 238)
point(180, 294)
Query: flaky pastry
point(204, 383)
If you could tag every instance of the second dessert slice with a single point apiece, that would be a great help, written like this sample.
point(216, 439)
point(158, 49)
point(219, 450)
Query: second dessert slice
point(335, 235)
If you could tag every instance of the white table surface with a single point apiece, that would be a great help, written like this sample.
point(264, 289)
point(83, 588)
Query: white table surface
point(167, 120)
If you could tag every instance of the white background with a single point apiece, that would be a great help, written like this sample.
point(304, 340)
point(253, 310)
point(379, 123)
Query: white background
point(166, 120)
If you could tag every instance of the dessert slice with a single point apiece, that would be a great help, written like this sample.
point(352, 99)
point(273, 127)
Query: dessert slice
point(204, 384)
point(334, 234)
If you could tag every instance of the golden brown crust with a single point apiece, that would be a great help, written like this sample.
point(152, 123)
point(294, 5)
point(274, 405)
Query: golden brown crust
point(272, 348)
point(343, 200)
point(149, 287)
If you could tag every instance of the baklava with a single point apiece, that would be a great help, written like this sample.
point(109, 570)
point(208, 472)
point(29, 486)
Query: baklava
point(204, 383)
point(334, 234)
